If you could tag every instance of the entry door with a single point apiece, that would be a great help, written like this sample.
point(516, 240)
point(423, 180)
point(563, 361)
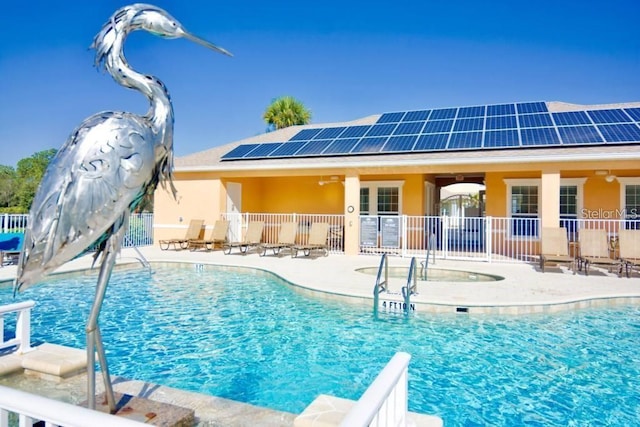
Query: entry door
point(234, 209)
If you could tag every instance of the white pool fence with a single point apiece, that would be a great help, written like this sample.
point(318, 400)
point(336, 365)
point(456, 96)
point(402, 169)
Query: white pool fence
point(491, 239)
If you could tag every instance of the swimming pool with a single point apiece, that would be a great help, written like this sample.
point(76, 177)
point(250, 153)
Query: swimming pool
point(244, 335)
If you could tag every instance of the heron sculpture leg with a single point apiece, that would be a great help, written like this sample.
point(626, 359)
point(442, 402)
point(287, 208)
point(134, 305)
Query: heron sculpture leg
point(94, 338)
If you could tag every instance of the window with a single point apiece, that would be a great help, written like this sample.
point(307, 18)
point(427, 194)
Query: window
point(630, 202)
point(524, 197)
point(364, 201)
point(381, 197)
point(388, 200)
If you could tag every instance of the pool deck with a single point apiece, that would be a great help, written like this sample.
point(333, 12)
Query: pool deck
point(523, 290)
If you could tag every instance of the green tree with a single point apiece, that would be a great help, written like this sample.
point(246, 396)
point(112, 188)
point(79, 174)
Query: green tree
point(29, 174)
point(286, 111)
point(7, 186)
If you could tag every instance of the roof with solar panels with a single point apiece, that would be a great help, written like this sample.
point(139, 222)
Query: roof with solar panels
point(499, 131)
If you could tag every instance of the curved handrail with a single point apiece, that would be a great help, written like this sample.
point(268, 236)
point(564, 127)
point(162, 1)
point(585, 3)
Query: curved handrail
point(381, 286)
point(412, 285)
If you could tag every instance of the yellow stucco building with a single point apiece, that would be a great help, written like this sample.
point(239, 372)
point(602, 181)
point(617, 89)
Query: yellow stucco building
point(545, 162)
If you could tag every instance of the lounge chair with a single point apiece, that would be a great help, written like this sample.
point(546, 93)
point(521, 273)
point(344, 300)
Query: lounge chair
point(218, 237)
point(594, 249)
point(193, 233)
point(317, 240)
point(629, 246)
point(252, 239)
point(286, 239)
point(554, 247)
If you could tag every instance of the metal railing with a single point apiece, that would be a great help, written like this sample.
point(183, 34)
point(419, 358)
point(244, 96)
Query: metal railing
point(381, 285)
point(335, 240)
point(412, 285)
point(385, 402)
point(140, 232)
point(22, 336)
point(13, 223)
point(31, 408)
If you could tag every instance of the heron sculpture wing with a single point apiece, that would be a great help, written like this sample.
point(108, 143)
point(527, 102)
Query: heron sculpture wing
point(102, 171)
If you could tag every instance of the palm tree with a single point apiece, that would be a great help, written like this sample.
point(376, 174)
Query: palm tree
point(286, 111)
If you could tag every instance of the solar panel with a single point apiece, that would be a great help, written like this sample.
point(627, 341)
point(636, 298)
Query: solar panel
point(381, 130)
point(263, 150)
point(314, 147)
point(501, 138)
point(579, 135)
point(608, 116)
point(535, 120)
point(466, 112)
point(370, 145)
point(409, 128)
point(539, 136)
point(287, 149)
point(400, 143)
point(355, 131)
point(501, 110)
point(502, 122)
point(240, 151)
point(532, 107)
point(414, 116)
point(634, 113)
point(620, 133)
point(438, 126)
point(390, 117)
point(432, 142)
point(341, 146)
point(328, 133)
point(468, 124)
point(305, 134)
point(525, 124)
point(571, 118)
point(465, 140)
point(444, 113)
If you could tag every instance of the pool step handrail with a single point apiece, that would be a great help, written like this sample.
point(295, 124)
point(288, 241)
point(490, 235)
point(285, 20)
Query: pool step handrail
point(381, 285)
point(424, 265)
point(412, 284)
point(140, 257)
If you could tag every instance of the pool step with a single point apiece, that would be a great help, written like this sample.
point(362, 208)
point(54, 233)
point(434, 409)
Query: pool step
point(47, 361)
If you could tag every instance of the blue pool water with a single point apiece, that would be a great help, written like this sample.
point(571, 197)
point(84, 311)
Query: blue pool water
point(247, 336)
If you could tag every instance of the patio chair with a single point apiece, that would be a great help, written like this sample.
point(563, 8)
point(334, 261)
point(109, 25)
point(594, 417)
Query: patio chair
point(629, 247)
point(286, 239)
point(193, 233)
point(594, 250)
point(554, 247)
point(218, 237)
point(317, 240)
point(252, 239)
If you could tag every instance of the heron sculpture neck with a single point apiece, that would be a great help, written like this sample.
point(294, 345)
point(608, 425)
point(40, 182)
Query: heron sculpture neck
point(109, 46)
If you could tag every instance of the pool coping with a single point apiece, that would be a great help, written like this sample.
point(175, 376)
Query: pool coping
point(523, 290)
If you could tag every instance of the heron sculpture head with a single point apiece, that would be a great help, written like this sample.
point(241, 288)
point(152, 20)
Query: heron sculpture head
point(141, 16)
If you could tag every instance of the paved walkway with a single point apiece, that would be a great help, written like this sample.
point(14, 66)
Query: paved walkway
point(524, 288)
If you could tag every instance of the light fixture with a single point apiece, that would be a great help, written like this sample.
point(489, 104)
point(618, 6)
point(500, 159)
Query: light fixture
point(608, 176)
point(332, 180)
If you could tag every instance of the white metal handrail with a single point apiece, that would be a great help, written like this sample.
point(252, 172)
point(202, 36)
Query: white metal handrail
point(32, 408)
point(22, 339)
point(385, 402)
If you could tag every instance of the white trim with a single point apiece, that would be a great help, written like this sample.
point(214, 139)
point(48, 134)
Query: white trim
point(332, 164)
point(624, 181)
point(373, 187)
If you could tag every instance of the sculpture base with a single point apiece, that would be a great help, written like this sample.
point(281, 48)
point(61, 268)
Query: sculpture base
point(147, 411)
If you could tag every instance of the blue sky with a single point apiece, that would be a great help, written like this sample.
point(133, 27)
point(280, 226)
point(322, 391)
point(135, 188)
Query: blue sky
point(343, 59)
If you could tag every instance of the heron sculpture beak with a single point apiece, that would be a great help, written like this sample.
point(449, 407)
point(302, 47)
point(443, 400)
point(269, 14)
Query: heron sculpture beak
point(205, 43)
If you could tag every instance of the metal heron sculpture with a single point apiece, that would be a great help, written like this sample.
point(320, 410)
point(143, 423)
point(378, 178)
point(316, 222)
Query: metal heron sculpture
point(109, 164)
